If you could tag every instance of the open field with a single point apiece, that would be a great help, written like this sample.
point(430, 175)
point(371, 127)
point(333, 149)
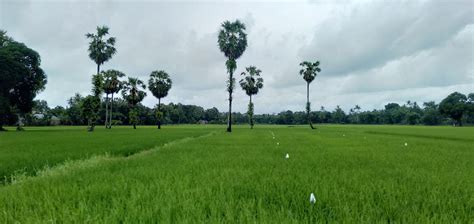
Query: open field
point(202, 174)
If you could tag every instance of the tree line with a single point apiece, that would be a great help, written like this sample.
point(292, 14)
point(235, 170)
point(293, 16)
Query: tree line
point(455, 109)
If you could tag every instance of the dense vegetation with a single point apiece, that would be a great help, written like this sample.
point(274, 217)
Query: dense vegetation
point(357, 174)
point(409, 113)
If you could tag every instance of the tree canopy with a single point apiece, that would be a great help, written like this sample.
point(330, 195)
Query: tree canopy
point(21, 77)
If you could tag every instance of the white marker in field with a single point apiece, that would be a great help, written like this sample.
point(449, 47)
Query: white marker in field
point(406, 144)
point(312, 198)
point(287, 156)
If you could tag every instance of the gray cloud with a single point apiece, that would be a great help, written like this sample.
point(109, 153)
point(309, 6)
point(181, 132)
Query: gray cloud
point(371, 52)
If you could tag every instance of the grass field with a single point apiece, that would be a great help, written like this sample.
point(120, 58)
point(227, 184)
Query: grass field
point(190, 174)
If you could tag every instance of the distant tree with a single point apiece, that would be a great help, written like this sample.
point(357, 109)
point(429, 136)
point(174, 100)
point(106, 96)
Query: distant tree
point(91, 104)
point(159, 84)
point(133, 92)
point(21, 79)
point(251, 83)
point(232, 42)
point(112, 85)
point(431, 115)
point(101, 49)
point(470, 108)
point(309, 72)
point(454, 106)
point(338, 115)
point(212, 115)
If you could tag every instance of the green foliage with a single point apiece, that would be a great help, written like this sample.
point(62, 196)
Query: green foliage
point(232, 41)
point(310, 70)
point(133, 92)
point(133, 117)
point(454, 106)
point(159, 84)
point(112, 83)
point(21, 78)
point(252, 82)
point(89, 110)
point(100, 48)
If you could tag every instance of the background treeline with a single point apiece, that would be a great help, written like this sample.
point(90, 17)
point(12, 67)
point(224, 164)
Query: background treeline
point(410, 113)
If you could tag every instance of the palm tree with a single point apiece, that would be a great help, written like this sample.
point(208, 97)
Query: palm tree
point(112, 85)
point(251, 83)
point(159, 84)
point(133, 92)
point(309, 72)
point(100, 49)
point(232, 42)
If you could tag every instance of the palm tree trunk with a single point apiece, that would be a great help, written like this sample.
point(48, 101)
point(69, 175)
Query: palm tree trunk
point(308, 110)
point(19, 126)
point(229, 121)
point(134, 126)
point(159, 115)
point(98, 69)
point(250, 113)
point(111, 110)
point(106, 109)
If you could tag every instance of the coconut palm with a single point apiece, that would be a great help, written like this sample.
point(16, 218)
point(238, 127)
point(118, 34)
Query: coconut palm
point(101, 49)
point(112, 85)
point(133, 92)
point(159, 84)
point(251, 83)
point(232, 42)
point(309, 72)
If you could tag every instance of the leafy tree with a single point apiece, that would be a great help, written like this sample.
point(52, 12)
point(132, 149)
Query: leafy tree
point(112, 85)
point(309, 72)
point(431, 115)
point(454, 106)
point(251, 83)
point(212, 115)
point(470, 108)
point(21, 79)
point(100, 48)
point(91, 104)
point(159, 84)
point(232, 42)
point(133, 92)
point(339, 115)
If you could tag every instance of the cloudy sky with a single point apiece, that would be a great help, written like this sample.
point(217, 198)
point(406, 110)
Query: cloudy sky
point(371, 52)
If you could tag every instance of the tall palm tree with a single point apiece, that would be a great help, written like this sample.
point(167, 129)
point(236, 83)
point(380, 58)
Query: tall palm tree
point(112, 85)
point(159, 84)
point(251, 83)
point(133, 92)
point(101, 49)
point(309, 72)
point(232, 42)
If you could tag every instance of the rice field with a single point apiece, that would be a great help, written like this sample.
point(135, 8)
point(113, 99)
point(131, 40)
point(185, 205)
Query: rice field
point(201, 174)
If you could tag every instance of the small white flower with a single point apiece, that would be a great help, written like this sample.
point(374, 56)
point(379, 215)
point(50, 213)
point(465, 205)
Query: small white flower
point(406, 144)
point(287, 156)
point(312, 198)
